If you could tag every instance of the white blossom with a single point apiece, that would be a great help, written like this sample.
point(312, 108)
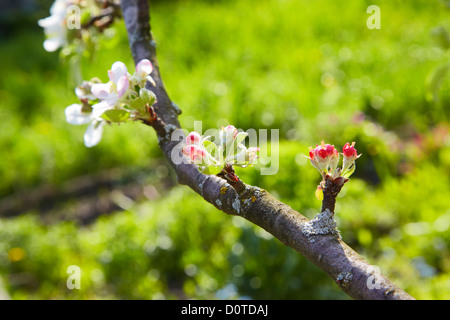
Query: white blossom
point(76, 115)
point(55, 26)
point(124, 94)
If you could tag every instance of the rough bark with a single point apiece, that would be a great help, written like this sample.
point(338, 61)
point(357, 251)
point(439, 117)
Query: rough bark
point(327, 251)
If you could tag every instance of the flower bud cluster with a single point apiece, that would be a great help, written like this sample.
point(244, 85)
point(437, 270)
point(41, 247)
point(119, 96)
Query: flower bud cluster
point(212, 158)
point(325, 158)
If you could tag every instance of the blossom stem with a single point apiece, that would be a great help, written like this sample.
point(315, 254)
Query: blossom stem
point(331, 188)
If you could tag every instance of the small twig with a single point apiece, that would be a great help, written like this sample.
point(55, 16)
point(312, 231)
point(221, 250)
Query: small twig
point(331, 188)
point(109, 12)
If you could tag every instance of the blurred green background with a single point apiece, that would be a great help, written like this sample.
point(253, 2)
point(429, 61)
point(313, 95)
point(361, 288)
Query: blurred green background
point(311, 69)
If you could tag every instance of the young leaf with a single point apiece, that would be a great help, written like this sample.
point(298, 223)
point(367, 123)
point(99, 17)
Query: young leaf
point(349, 171)
point(116, 115)
point(212, 169)
point(319, 193)
point(240, 137)
point(210, 147)
point(147, 96)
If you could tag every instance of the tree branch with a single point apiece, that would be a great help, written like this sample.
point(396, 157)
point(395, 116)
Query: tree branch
point(327, 251)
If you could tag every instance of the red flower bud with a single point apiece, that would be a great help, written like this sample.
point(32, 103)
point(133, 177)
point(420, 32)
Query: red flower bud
point(322, 152)
point(349, 151)
point(350, 155)
point(324, 156)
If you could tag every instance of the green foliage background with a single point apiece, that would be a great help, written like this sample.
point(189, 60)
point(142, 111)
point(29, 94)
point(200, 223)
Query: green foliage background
point(311, 69)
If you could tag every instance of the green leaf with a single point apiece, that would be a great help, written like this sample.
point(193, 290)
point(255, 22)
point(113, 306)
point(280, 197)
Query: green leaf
point(210, 147)
point(85, 17)
point(147, 96)
point(135, 104)
point(349, 171)
point(240, 137)
point(116, 115)
point(242, 164)
point(212, 169)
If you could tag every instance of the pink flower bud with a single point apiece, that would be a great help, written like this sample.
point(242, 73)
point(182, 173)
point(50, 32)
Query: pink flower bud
point(229, 127)
point(252, 154)
point(253, 150)
point(323, 152)
point(227, 138)
point(144, 68)
point(230, 132)
point(195, 153)
point(193, 138)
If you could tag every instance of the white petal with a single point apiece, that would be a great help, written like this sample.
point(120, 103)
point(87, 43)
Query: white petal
point(101, 90)
point(122, 85)
point(99, 108)
point(58, 7)
point(79, 93)
point(75, 115)
point(93, 134)
point(82, 94)
point(118, 70)
point(48, 22)
point(52, 44)
point(112, 99)
point(240, 156)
